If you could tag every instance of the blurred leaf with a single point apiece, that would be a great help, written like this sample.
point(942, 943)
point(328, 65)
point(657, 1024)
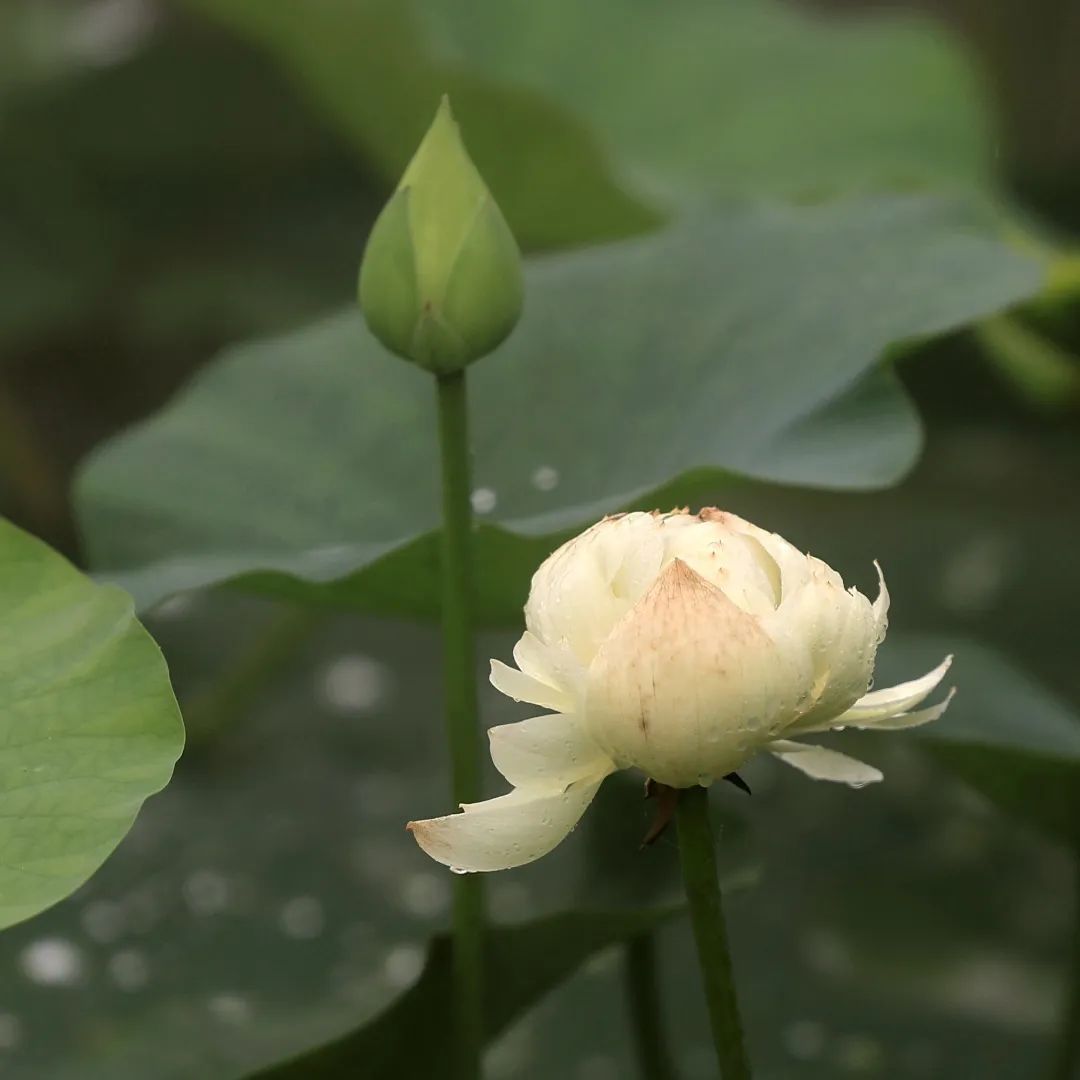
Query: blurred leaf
point(183, 191)
point(1004, 734)
point(364, 64)
point(1039, 370)
point(414, 1037)
point(89, 725)
point(639, 371)
point(743, 97)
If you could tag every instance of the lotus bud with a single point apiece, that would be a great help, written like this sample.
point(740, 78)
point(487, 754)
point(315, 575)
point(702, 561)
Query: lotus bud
point(440, 282)
point(681, 645)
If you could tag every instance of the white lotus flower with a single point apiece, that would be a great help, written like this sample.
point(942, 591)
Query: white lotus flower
point(681, 645)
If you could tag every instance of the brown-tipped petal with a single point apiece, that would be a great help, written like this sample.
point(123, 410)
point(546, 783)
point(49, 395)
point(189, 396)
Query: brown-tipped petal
point(688, 684)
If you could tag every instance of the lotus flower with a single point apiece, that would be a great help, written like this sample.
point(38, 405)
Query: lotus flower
point(681, 645)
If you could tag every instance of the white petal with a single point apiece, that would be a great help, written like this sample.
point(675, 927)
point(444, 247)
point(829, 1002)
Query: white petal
point(881, 704)
point(881, 604)
point(521, 687)
point(688, 685)
point(838, 629)
point(583, 588)
point(821, 764)
point(904, 719)
point(551, 664)
point(545, 752)
point(508, 831)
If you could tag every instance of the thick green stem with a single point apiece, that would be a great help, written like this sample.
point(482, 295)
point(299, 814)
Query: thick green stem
point(1067, 1058)
point(707, 916)
point(643, 990)
point(459, 667)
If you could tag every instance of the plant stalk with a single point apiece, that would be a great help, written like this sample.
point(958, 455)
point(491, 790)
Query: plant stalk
point(643, 991)
point(459, 674)
point(1067, 1055)
point(710, 934)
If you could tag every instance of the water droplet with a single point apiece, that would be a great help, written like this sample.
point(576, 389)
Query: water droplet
point(403, 965)
point(426, 894)
point(483, 500)
point(206, 892)
point(52, 962)
point(230, 1008)
point(804, 1039)
point(302, 918)
point(103, 921)
point(545, 478)
point(11, 1031)
point(457, 870)
point(354, 683)
point(129, 970)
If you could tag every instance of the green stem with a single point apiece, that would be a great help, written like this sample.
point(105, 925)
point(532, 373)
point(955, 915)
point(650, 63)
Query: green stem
point(707, 916)
point(459, 663)
point(1067, 1058)
point(643, 989)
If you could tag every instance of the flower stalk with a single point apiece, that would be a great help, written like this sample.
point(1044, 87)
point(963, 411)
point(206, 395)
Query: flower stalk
point(1067, 1055)
point(459, 675)
point(702, 885)
point(646, 1014)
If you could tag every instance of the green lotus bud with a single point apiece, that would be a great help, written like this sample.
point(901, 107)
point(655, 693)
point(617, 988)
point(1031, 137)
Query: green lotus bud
point(440, 283)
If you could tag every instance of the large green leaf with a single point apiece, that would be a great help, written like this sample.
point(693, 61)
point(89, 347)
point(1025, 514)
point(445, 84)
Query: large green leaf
point(737, 96)
point(768, 98)
point(414, 1037)
point(363, 62)
point(742, 343)
point(88, 724)
point(1004, 733)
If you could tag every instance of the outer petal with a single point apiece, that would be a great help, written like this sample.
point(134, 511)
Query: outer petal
point(821, 764)
point(873, 708)
point(546, 752)
point(904, 719)
point(688, 685)
point(840, 628)
point(521, 687)
point(508, 831)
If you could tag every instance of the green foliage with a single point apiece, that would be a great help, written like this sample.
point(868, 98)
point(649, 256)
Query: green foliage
point(365, 65)
point(792, 104)
point(310, 457)
point(414, 1036)
point(1004, 734)
point(89, 726)
point(741, 96)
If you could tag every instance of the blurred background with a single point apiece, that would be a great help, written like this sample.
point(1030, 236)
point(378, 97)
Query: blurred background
point(176, 177)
